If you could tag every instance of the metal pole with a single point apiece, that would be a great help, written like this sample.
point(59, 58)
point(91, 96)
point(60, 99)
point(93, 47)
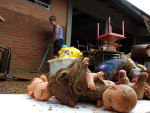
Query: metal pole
point(97, 30)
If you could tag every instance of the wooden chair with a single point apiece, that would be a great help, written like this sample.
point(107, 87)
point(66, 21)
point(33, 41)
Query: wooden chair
point(110, 38)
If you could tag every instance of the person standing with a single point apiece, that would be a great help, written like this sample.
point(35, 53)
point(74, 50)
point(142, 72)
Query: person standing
point(57, 36)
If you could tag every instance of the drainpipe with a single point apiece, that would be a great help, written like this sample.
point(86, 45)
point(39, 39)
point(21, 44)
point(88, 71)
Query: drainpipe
point(69, 23)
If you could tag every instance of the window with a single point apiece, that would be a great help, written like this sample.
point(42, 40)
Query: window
point(43, 3)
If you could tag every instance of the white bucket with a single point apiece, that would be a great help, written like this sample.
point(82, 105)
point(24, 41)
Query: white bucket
point(57, 64)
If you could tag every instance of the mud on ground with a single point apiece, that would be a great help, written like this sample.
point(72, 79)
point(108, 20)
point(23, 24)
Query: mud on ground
point(10, 86)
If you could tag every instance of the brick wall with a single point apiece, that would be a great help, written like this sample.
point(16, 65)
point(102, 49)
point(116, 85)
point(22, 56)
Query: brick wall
point(27, 32)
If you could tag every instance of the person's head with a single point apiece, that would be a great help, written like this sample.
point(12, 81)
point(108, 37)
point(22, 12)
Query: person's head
point(52, 20)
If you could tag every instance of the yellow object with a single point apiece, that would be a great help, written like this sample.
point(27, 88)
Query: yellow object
point(67, 52)
point(92, 49)
point(141, 66)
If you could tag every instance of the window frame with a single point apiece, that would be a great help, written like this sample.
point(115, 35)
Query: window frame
point(38, 2)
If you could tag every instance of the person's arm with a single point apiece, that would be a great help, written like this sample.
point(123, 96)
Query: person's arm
point(55, 34)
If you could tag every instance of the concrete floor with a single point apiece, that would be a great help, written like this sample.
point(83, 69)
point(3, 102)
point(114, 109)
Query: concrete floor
point(22, 103)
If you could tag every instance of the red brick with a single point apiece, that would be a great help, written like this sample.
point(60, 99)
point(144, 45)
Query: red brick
point(27, 31)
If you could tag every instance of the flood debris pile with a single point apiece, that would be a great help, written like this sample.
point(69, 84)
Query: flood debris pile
point(77, 83)
point(69, 85)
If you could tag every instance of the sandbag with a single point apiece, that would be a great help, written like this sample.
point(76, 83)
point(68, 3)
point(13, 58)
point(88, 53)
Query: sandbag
point(141, 50)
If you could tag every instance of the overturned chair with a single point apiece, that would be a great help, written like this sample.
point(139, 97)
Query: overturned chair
point(5, 57)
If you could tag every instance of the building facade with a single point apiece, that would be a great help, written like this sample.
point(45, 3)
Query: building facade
point(27, 31)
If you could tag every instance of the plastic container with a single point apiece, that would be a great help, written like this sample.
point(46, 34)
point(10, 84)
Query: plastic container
point(57, 64)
